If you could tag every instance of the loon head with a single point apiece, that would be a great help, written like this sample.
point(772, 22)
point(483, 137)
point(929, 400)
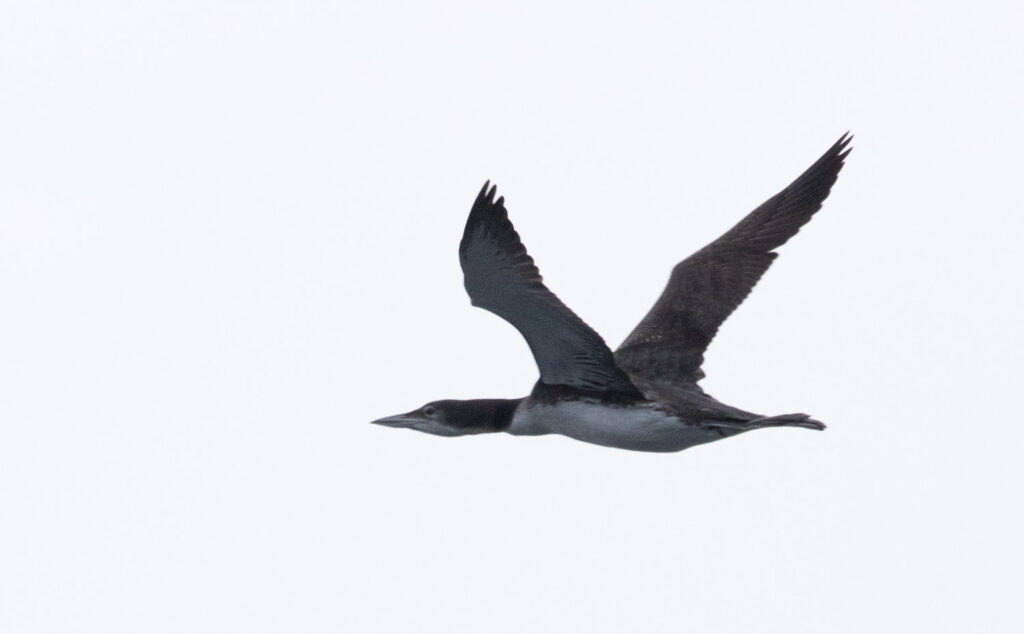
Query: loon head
point(457, 418)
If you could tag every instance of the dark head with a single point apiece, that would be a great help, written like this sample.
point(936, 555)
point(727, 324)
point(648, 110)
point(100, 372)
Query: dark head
point(457, 418)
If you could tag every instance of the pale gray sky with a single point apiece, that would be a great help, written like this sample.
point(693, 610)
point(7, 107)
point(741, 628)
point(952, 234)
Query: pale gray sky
point(228, 240)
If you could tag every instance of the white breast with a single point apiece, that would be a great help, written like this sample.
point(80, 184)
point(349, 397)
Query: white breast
point(642, 427)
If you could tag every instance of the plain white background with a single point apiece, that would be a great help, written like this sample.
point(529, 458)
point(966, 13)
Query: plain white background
point(228, 239)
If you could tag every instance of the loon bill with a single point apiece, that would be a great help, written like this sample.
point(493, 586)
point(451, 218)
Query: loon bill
point(644, 396)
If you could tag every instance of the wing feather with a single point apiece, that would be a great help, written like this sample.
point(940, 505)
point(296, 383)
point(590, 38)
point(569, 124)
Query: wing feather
point(500, 276)
point(708, 286)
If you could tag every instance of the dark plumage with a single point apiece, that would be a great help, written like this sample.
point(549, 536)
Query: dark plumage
point(707, 286)
point(645, 395)
point(502, 278)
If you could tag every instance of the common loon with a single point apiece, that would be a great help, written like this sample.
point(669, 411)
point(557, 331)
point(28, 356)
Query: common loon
point(644, 396)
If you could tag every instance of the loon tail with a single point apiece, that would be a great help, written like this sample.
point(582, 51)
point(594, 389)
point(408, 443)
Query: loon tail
point(783, 420)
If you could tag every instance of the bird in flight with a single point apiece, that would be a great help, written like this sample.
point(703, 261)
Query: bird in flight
point(644, 396)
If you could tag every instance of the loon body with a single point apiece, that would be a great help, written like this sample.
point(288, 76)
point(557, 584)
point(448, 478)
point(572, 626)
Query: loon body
point(644, 396)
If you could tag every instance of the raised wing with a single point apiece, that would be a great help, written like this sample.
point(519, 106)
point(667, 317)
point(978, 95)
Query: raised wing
point(706, 287)
point(501, 277)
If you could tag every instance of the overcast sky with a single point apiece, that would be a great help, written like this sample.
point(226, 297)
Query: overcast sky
point(228, 240)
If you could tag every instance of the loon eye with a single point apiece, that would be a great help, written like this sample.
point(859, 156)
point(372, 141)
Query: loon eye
point(428, 410)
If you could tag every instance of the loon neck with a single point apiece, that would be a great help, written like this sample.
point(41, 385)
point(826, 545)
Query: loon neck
point(483, 415)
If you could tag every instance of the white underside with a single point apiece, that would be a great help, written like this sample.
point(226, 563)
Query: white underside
point(639, 427)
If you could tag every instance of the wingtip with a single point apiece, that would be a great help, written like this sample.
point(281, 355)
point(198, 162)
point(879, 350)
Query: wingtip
point(487, 193)
point(841, 146)
point(836, 155)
